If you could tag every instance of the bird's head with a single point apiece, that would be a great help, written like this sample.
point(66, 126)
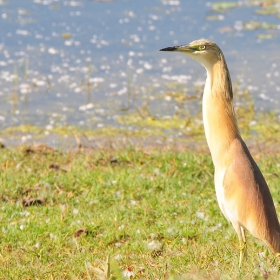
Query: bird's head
point(204, 51)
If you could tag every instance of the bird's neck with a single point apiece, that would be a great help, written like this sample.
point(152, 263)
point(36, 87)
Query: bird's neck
point(218, 113)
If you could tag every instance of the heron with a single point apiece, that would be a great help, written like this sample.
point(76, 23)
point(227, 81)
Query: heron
point(242, 192)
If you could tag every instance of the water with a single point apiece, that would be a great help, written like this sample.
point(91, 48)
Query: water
point(86, 63)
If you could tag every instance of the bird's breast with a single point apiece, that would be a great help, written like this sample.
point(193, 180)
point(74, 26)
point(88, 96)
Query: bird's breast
point(220, 191)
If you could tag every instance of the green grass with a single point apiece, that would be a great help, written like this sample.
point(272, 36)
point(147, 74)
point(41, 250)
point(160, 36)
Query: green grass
point(154, 212)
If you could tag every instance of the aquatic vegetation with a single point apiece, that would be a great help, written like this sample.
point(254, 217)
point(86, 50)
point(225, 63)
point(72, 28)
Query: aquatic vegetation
point(254, 25)
point(183, 125)
point(222, 7)
point(264, 8)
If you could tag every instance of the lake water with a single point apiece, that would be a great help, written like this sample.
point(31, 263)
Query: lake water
point(86, 62)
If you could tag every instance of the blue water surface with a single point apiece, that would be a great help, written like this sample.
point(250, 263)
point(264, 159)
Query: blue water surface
point(87, 62)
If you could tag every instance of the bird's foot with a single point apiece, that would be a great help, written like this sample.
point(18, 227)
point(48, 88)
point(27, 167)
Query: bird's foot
point(242, 249)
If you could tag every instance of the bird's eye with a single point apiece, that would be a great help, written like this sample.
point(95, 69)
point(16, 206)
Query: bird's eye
point(202, 48)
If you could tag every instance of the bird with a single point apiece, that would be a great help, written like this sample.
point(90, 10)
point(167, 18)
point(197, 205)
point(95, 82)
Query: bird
point(242, 192)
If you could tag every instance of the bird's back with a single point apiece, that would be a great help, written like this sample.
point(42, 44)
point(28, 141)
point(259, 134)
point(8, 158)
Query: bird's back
point(247, 197)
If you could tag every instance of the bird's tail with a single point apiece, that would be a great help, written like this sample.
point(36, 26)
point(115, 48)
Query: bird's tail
point(273, 242)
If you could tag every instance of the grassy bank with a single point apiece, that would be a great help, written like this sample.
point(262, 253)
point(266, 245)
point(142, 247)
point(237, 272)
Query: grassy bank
point(154, 212)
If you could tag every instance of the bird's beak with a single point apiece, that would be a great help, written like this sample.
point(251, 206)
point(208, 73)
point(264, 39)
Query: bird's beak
point(182, 48)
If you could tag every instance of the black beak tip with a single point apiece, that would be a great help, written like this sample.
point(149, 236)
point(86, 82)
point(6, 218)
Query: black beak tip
point(168, 49)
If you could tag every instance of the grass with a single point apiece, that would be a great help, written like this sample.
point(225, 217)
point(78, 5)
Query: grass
point(154, 212)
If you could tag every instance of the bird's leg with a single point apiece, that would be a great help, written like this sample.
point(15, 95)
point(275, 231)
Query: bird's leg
point(242, 240)
point(242, 252)
point(242, 244)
